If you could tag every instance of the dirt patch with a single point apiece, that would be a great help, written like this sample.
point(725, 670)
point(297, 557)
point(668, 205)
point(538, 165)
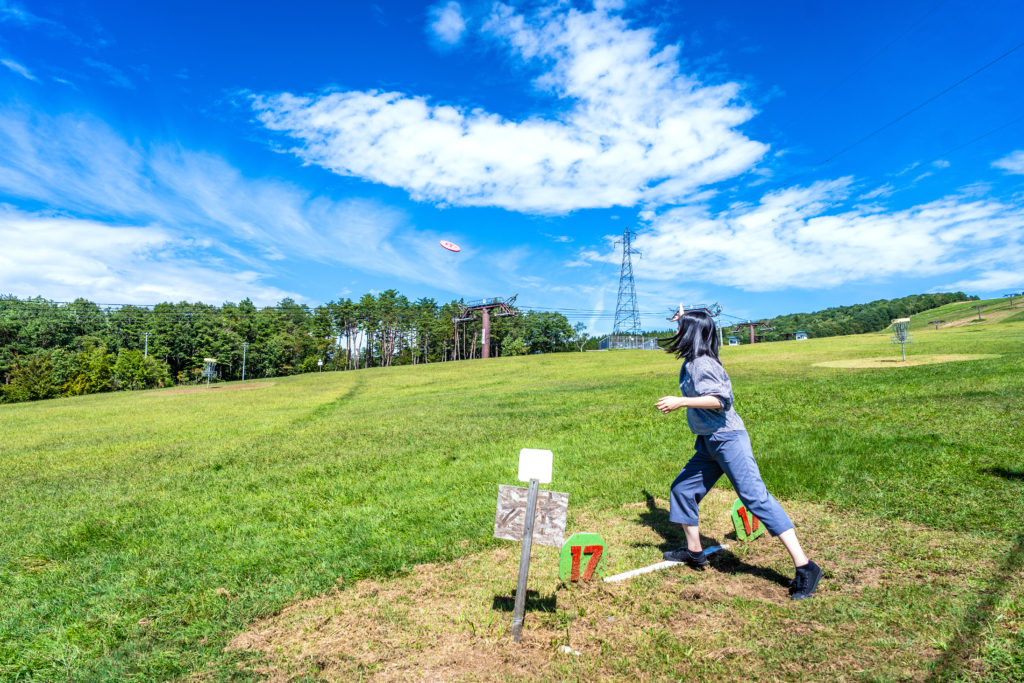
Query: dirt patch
point(212, 387)
point(453, 621)
point(893, 362)
point(987, 317)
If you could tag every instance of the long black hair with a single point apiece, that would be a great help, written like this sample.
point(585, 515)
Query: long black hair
point(696, 337)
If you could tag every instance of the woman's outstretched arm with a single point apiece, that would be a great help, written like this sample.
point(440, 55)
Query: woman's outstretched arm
point(667, 404)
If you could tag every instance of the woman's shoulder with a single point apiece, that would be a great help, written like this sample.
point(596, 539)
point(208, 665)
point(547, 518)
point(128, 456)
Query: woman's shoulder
point(706, 362)
point(708, 365)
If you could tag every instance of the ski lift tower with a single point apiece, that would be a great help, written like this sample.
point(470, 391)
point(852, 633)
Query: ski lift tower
point(751, 326)
point(485, 306)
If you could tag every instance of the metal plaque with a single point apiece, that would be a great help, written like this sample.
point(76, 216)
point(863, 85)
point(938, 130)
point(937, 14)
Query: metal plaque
point(549, 522)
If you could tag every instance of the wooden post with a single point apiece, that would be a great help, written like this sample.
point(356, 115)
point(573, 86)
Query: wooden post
point(524, 561)
point(486, 343)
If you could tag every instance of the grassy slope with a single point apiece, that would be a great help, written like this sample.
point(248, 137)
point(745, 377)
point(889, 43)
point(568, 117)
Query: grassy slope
point(962, 310)
point(124, 514)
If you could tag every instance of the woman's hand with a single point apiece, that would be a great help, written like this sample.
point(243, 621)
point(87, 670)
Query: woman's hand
point(667, 404)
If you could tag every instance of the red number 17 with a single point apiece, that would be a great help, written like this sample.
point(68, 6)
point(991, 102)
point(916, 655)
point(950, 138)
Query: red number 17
point(595, 556)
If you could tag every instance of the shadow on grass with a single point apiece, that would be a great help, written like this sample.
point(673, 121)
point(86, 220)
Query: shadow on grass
point(980, 616)
point(1012, 475)
point(972, 629)
point(724, 561)
point(670, 532)
point(534, 603)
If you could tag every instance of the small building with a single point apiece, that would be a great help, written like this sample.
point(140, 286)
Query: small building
point(734, 341)
point(799, 335)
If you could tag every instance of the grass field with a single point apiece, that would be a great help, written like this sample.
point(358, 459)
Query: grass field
point(966, 313)
point(144, 531)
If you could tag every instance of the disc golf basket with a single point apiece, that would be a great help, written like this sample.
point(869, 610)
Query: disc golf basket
point(900, 334)
point(209, 369)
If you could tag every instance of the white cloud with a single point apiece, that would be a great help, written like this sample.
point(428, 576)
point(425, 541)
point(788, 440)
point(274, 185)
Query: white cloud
point(635, 129)
point(1012, 162)
point(113, 74)
point(63, 258)
point(991, 281)
point(881, 191)
point(85, 170)
point(18, 69)
point(562, 239)
point(10, 11)
point(447, 23)
point(800, 237)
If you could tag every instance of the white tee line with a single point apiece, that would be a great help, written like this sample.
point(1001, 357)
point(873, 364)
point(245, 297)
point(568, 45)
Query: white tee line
point(655, 567)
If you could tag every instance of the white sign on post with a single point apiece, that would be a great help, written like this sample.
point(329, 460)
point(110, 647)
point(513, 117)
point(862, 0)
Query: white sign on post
point(535, 463)
point(534, 467)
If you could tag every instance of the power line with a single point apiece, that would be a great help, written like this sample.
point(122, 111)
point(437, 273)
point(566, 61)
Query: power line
point(923, 104)
point(209, 309)
point(951, 150)
point(973, 140)
point(882, 49)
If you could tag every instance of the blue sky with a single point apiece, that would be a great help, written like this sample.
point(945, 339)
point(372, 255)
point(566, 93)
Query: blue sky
point(213, 151)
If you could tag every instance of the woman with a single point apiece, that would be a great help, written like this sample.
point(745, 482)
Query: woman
point(723, 446)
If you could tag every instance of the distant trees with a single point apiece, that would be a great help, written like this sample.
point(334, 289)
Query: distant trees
point(49, 349)
point(580, 336)
point(32, 379)
point(860, 318)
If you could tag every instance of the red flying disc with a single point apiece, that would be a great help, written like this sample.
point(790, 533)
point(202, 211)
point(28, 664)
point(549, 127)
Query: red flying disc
point(450, 246)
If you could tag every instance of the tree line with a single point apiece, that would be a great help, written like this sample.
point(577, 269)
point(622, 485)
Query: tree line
point(50, 349)
point(856, 319)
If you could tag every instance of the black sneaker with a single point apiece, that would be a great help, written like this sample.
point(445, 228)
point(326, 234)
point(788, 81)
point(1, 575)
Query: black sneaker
point(696, 560)
point(805, 583)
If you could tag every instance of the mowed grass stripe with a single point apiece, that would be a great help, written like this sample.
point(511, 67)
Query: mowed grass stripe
point(143, 530)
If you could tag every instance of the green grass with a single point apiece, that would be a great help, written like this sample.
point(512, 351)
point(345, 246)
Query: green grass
point(961, 310)
point(1016, 317)
point(143, 530)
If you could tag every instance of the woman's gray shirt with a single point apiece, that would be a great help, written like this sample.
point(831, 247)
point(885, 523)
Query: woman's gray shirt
point(705, 376)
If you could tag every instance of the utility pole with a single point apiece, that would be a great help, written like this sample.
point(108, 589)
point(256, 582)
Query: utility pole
point(627, 317)
point(245, 345)
point(145, 354)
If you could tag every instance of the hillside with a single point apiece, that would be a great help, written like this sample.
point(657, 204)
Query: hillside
point(859, 318)
point(146, 530)
point(966, 313)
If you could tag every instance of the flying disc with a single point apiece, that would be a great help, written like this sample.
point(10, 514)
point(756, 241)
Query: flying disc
point(450, 246)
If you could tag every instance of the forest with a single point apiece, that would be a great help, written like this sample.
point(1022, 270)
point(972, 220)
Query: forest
point(50, 349)
point(856, 319)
